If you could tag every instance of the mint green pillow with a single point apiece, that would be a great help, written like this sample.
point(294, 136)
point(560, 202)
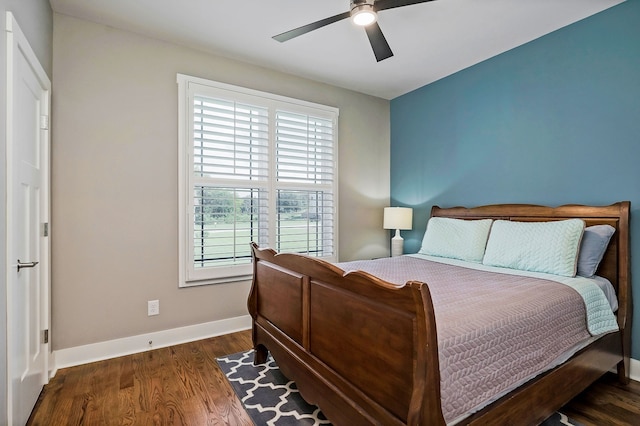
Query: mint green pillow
point(550, 247)
point(456, 238)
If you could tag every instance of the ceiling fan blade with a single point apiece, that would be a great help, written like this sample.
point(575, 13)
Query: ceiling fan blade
point(288, 35)
point(379, 44)
point(390, 4)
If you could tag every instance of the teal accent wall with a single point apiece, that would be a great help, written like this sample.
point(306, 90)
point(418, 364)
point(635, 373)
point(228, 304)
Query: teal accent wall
point(555, 121)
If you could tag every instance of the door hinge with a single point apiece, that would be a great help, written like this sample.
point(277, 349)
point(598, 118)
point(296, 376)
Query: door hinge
point(45, 336)
point(45, 229)
point(44, 122)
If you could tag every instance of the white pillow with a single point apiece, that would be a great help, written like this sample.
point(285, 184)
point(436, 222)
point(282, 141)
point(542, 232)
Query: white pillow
point(456, 238)
point(550, 247)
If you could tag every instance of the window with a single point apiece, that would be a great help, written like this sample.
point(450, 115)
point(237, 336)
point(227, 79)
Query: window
point(254, 167)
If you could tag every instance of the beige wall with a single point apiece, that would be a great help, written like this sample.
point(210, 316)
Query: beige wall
point(114, 183)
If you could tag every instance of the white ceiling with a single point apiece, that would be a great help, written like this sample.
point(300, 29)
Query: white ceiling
point(429, 40)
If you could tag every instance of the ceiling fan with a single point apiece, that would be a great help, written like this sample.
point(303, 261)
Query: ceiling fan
point(363, 13)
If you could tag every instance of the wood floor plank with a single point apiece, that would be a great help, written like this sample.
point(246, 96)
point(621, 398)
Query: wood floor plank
point(607, 403)
point(183, 385)
point(184, 359)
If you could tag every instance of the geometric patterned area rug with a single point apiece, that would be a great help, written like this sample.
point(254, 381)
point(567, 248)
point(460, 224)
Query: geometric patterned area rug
point(271, 399)
point(266, 394)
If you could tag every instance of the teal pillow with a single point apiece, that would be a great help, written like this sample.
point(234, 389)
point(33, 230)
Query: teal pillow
point(456, 238)
point(550, 247)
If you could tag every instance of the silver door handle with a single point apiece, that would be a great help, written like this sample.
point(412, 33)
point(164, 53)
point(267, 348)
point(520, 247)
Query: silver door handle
point(26, 264)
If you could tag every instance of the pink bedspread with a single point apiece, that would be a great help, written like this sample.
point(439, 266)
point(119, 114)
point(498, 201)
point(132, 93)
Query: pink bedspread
point(495, 331)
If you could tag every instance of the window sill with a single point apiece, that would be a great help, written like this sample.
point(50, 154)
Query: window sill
point(222, 280)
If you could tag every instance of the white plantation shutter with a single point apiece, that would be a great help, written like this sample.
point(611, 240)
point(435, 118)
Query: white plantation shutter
point(225, 222)
point(230, 140)
point(305, 157)
point(304, 149)
point(255, 168)
point(306, 224)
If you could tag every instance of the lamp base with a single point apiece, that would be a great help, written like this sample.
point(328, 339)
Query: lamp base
point(397, 243)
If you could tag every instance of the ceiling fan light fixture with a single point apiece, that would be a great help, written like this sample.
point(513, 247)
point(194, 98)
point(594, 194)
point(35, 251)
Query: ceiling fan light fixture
point(363, 15)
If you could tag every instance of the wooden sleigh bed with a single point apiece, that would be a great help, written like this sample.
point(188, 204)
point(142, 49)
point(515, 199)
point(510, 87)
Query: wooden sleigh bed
point(306, 312)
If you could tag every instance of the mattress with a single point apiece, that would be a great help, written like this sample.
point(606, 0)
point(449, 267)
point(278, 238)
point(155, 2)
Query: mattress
point(497, 329)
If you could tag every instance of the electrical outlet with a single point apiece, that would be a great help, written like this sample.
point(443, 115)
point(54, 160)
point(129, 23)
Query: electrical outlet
point(153, 307)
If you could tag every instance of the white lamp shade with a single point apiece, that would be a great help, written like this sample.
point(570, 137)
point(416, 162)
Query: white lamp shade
point(398, 218)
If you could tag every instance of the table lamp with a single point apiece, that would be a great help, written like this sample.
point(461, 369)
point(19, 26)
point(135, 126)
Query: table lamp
point(397, 218)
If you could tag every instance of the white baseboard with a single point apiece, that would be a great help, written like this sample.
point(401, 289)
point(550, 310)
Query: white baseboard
point(129, 345)
point(634, 370)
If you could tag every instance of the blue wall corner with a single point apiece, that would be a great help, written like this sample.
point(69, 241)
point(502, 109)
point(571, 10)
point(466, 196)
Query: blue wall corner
point(555, 121)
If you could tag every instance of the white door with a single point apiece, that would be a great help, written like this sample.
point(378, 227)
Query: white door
point(27, 212)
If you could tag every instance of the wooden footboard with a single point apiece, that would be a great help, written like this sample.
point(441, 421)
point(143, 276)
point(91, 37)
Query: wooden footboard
point(362, 349)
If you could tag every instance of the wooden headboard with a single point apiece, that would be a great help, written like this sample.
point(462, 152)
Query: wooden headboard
point(615, 264)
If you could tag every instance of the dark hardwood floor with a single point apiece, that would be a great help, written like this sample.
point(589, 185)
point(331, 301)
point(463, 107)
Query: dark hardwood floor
point(607, 402)
point(182, 385)
point(177, 385)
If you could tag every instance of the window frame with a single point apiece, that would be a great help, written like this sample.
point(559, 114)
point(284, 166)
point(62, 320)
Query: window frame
point(188, 86)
